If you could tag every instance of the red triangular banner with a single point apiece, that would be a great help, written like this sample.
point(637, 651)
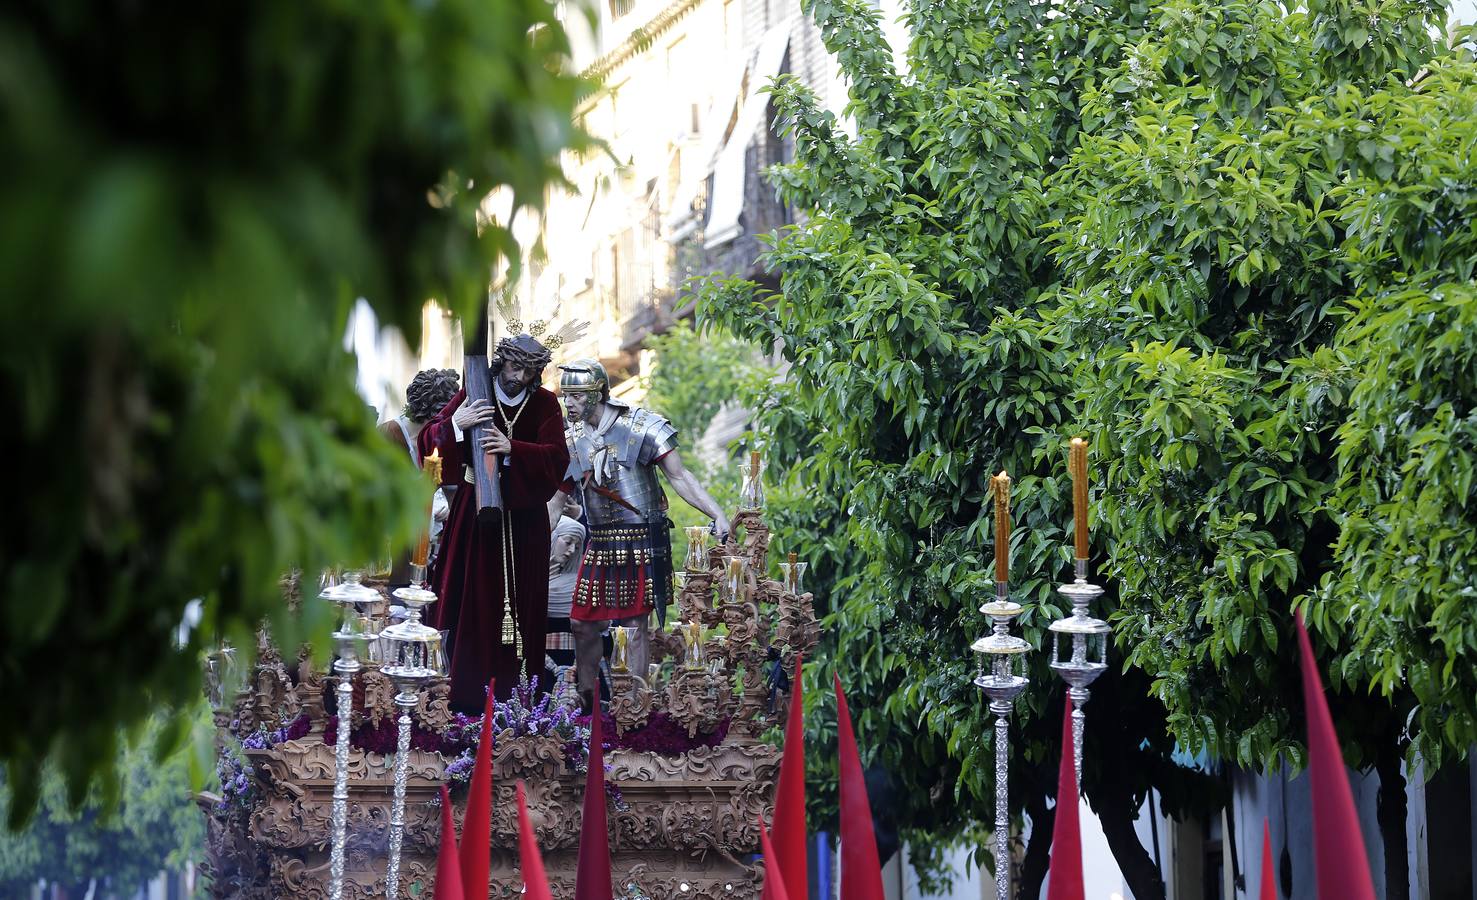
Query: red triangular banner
point(774, 882)
point(1066, 832)
point(789, 799)
point(861, 872)
point(448, 868)
point(592, 874)
point(535, 882)
point(476, 845)
point(1269, 878)
point(1338, 845)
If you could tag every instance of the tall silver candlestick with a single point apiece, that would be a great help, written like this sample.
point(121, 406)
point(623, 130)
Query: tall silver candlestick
point(413, 656)
point(1080, 655)
point(352, 595)
point(1002, 684)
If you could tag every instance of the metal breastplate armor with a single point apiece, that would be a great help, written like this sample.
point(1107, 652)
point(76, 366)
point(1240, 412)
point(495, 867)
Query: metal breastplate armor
point(620, 463)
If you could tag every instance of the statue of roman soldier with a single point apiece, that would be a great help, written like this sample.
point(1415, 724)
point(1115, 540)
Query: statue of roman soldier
point(614, 451)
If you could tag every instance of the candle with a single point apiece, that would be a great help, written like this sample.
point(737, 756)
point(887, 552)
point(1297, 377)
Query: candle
point(754, 464)
point(423, 546)
point(622, 636)
point(1077, 463)
point(736, 579)
point(1000, 487)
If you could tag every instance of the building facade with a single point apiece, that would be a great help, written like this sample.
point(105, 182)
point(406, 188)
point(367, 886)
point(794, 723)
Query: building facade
point(678, 189)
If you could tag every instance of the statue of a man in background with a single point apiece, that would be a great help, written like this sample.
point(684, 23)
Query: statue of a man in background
point(497, 566)
point(614, 452)
point(425, 396)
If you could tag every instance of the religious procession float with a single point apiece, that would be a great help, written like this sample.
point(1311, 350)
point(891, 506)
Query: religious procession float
point(688, 773)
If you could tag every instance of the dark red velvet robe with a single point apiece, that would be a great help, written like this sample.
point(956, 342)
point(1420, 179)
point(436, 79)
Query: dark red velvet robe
point(468, 574)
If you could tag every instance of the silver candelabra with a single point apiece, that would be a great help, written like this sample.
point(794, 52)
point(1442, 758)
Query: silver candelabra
point(355, 630)
point(1002, 684)
point(413, 656)
point(1080, 654)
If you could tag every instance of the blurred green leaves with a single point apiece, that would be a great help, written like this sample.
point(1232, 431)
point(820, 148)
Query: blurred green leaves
point(193, 199)
point(127, 839)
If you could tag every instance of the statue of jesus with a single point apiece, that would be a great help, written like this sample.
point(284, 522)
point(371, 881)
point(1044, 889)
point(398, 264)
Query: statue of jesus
point(495, 567)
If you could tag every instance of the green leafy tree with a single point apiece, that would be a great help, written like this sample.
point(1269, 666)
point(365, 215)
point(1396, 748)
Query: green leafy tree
point(154, 826)
point(1226, 241)
point(695, 374)
point(195, 199)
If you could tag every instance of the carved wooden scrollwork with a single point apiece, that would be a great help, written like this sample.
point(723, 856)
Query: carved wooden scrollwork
point(630, 701)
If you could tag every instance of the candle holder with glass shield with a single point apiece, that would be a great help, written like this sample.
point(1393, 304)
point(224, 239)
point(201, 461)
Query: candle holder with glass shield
point(697, 549)
point(734, 588)
point(794, 573)
point(751, 494)
point(1079, 655)
point(1002, 683)
point(693, 656)
point(413, 655)
point(630, 691)
point(351, 640)
point(1081, 642)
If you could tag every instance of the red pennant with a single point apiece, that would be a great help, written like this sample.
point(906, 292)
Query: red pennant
point(476, 854)
point(789, 801)
point(1066, 833)
point(861, 873)
point(592, 875)
point(1338, 846)
point(535, 882)
point(774, 882)
point(448, 870)
point(1269, 879)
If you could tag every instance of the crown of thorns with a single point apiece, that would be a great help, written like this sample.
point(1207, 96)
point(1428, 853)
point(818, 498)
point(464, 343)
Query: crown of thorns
point(523, 350)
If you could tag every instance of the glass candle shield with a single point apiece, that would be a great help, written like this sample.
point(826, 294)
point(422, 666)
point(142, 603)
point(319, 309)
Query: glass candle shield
point(735, 585)
point(1079, 648)
point(620, 659)
point(751, 495)
point(697, 549)
point(692, 644)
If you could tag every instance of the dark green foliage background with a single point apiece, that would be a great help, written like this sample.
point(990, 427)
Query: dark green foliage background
point(1231, 243)
point(194, 196)
point(154, 826)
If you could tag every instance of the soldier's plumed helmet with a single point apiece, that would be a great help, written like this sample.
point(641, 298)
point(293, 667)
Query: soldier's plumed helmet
point(585, 376)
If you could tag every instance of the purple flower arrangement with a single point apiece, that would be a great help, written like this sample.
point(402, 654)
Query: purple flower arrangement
point(262, 739)
point(238, 791)
point(526, 713)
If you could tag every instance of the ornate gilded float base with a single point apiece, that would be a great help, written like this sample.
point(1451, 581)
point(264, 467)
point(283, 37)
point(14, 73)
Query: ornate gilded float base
point(685, 827)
